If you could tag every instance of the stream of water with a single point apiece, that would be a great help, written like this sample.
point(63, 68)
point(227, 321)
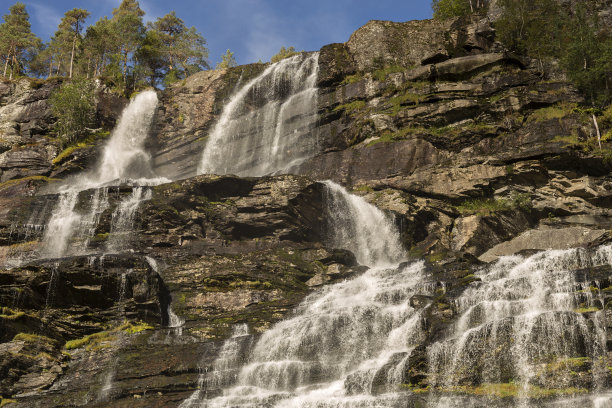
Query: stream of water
point(269, 124)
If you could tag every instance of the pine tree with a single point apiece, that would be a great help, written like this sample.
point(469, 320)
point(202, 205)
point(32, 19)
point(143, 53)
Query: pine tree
point(227, 60)
point(181, 50)
point(284, 53)
point(15, 38)
point(73, 22)
point(129, 30)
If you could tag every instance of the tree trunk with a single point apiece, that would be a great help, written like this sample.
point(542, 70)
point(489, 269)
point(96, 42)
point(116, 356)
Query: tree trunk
point(8, 57)
point(72, 56)
point(597, 131)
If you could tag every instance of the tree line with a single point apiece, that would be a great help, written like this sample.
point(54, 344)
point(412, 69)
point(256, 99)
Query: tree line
point(122, 50)
point(547, 31)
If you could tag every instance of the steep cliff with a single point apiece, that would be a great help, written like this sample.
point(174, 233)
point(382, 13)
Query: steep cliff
point(474, 152)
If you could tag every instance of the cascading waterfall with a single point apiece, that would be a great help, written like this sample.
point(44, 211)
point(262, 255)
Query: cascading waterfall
point(69, 228)
point(348, 344)
point(269, 125)
point(339, 338)
point(523, 315)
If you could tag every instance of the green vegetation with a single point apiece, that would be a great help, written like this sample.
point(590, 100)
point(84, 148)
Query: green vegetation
point(101, 339)
point(137, 328)
point(10, 314)
point(12, 182)
point(389, 136)
point(487, 206)
point(6, 401)
point(16, 40)
point(402, 99)
point(573, 35)
point(351, 107)
point(587, 310)
point(73, 105)
point(512, 390)
point(381, 74)
point(557, 111)
point(284, 53)
point(124, 52)
point(91, 341)
point(351, 79)
point(32, 338)
point(227, 61)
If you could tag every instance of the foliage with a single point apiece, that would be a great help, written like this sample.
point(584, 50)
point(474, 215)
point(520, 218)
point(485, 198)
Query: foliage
point(576, 37)
point(284, 53)
point(487, 206)
point(16, 38)
point(227, 60)
point(73, 105)
point(587, 56)
point(444, 9)
point(172, 50)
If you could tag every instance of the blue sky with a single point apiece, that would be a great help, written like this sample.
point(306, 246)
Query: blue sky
point(252, 29)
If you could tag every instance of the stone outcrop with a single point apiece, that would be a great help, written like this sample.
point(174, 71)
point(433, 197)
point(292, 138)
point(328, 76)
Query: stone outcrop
point(475, 153)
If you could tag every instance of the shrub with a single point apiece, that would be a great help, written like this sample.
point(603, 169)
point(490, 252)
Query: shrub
point(73, 105)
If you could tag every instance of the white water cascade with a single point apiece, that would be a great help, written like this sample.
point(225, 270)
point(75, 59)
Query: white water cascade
point(525, 317)
point(349, 344)
point(124, 160)
point(340, 338)
point(268, 125)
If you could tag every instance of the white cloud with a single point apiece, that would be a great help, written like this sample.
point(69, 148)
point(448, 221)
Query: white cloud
point(47, 18)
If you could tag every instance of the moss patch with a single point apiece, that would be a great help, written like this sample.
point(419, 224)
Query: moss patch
point(101, 339)
point(487, 206)
point(12, 182)
point(557, 111)
point(512, 390)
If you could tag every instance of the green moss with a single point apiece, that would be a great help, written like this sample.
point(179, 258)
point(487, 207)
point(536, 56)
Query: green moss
point(101, 237)
point(351, 79)
point(6, 401)
point(557, 111)
point(512, 390)
point(90, 341)
point(496, 98)
point(388, 136)
point(587, 309)
point(83, 144)
point(363, 188)
point(381, 74)
point(10, 314)
point(483, 206)
point(351, 107)
point(33, 338)
point(486, 206)
point(403, 99)
point(137, 328)
point(12, 182)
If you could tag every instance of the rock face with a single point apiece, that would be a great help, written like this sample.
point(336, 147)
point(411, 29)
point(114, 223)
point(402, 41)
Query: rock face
point(475, 154)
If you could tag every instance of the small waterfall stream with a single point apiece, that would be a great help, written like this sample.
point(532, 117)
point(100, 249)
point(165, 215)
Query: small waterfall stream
point(269, 125)
point(69, 229)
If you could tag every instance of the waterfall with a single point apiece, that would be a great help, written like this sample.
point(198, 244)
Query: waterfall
point(523, 316)
point(339, 338)
point(268, 125)
point(349, 344)
point(359, 227)
point(70, 228)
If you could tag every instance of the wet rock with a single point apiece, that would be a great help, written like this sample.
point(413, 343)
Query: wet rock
point(545, 238)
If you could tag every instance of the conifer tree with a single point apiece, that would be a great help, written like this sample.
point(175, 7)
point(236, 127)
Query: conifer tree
point(73, 22)
point(15, 38)
point(227, 60)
